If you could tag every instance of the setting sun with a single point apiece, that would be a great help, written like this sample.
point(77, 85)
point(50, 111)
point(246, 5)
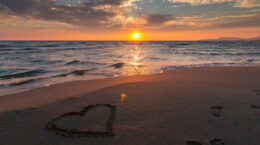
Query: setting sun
point(136, 36)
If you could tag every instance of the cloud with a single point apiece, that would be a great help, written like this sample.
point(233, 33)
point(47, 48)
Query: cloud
point(247, 3)
point(238, 3)
point(5, 17)
point(249, 22)
point(156, 19)
point(112, 14)
point(82, 14)
point(189, 24)
point(199, 2)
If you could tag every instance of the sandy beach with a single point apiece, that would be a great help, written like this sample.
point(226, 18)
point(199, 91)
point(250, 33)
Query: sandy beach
point(193, 106)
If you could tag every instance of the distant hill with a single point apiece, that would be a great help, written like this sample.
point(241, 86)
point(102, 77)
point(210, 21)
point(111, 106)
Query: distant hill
point(255, 38)
point(233, 39)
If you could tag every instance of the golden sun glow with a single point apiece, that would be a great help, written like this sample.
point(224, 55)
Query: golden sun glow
point(136, 36)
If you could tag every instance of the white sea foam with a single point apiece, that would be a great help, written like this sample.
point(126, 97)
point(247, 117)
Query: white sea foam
point(27, 65)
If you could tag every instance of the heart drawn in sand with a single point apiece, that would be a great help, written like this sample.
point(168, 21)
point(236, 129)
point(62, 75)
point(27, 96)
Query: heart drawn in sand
point(72, 133)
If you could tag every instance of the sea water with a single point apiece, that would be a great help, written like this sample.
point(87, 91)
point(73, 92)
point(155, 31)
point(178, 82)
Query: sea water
point(25, 65)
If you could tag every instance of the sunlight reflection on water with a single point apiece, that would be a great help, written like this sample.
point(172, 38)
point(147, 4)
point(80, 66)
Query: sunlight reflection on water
point(27, 65)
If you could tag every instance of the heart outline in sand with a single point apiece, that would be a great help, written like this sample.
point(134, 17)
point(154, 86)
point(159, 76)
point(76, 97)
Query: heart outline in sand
point(72, 133)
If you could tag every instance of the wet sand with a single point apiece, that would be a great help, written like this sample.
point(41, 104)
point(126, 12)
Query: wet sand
point(207, 106)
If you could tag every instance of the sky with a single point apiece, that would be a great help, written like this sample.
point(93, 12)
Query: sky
point(117, 19)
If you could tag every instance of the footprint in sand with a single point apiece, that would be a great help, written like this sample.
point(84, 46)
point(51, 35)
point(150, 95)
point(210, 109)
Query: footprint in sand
point(193, 143)
point(257, 92)
point(255, 106)
point(31, 108)
point(216, 142)
point(212, 142)
point(216, 111)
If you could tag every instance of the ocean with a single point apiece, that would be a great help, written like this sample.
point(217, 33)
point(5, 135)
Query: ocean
point(25, 65)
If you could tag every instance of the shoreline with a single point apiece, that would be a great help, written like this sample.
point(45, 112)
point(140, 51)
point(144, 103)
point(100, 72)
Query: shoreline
point(52, 93)
point(205, 65)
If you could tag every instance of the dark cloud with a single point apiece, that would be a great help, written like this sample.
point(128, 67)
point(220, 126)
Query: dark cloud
point(156, 19)
point(84, 14)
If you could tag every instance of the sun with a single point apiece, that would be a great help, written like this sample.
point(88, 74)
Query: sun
point(136, 36)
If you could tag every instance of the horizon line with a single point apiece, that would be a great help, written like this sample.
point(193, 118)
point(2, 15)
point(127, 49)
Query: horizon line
point(91, 40)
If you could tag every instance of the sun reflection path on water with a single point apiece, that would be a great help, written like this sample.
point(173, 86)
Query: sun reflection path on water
point(136, 66)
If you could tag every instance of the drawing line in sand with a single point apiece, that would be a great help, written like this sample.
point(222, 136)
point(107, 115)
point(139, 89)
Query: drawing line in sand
point(73, 133)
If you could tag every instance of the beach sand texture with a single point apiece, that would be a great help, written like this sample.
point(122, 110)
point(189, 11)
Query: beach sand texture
point(195, 106)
